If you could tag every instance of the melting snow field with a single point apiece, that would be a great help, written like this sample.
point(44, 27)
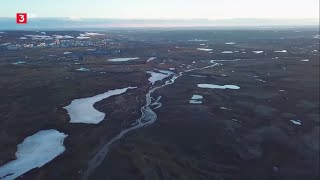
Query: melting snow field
point(166, 72)
point(67, 52)
point(213, 86)
point(196, 99)
point(282, 51)
point(82, 110)
point(83, 37)
point(226, 52)
point(158, 76)
point(83, 69)
point(34, 152)
point(204, 49)
point(257, 52)
point(91, 34)
point(195, 102)
point(296, 122)
point(151, 59)
point(19, 62)
point(39, 37)
point(122, 59)
point(214, 61)
point(87, 35)
point(62, 37)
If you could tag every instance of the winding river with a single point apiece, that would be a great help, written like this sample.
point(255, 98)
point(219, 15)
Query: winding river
point(148, 117)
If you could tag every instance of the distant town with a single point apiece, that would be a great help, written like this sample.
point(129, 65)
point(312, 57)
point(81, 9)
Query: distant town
point(42, 40)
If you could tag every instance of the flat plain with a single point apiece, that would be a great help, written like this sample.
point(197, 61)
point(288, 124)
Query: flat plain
point(224, 104)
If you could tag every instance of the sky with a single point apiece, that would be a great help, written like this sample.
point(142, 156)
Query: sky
point(164, 9)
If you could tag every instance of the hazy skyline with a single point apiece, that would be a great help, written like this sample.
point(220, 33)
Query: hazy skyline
point(164, 9)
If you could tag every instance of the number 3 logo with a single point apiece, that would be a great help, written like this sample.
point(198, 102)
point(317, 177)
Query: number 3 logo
point(21, 18)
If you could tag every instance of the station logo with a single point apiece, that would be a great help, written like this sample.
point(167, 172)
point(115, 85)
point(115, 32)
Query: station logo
point(21, 18)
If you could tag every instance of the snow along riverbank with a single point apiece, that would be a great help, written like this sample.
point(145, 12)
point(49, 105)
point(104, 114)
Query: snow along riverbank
point(82, 110)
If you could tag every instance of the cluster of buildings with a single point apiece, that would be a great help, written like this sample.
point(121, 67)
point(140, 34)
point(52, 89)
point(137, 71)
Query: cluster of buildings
point(57, 43)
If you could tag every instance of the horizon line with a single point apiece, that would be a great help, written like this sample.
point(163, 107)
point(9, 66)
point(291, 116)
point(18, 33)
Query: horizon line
point(143, 18)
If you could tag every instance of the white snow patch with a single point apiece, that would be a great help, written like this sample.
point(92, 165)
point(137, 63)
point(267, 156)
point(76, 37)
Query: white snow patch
point(223, 60)
point(155, 76)
point(282, 51)
point(63, 36)
point(67, 52)
point(82, 110)
point(305, 60)
point(83, 37)
point(257, 52)
point(196, 97)
point(296, 122)
point(261, 80)
point(236, 120)
point(5, 44)
point(122, 59)
point(166, 72)
point(87, 35)
point(34, 152)
point(226, 52)
point(91, 34)
point(213, 86)
point(83, 69)
point(19, 62)
point(39, 37)
point(23, 38)
point(151, 59)
point(230, 43)
point(204, 49)
point(195, 102)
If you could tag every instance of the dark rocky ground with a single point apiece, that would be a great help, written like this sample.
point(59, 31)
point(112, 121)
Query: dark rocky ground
point(252, 139)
